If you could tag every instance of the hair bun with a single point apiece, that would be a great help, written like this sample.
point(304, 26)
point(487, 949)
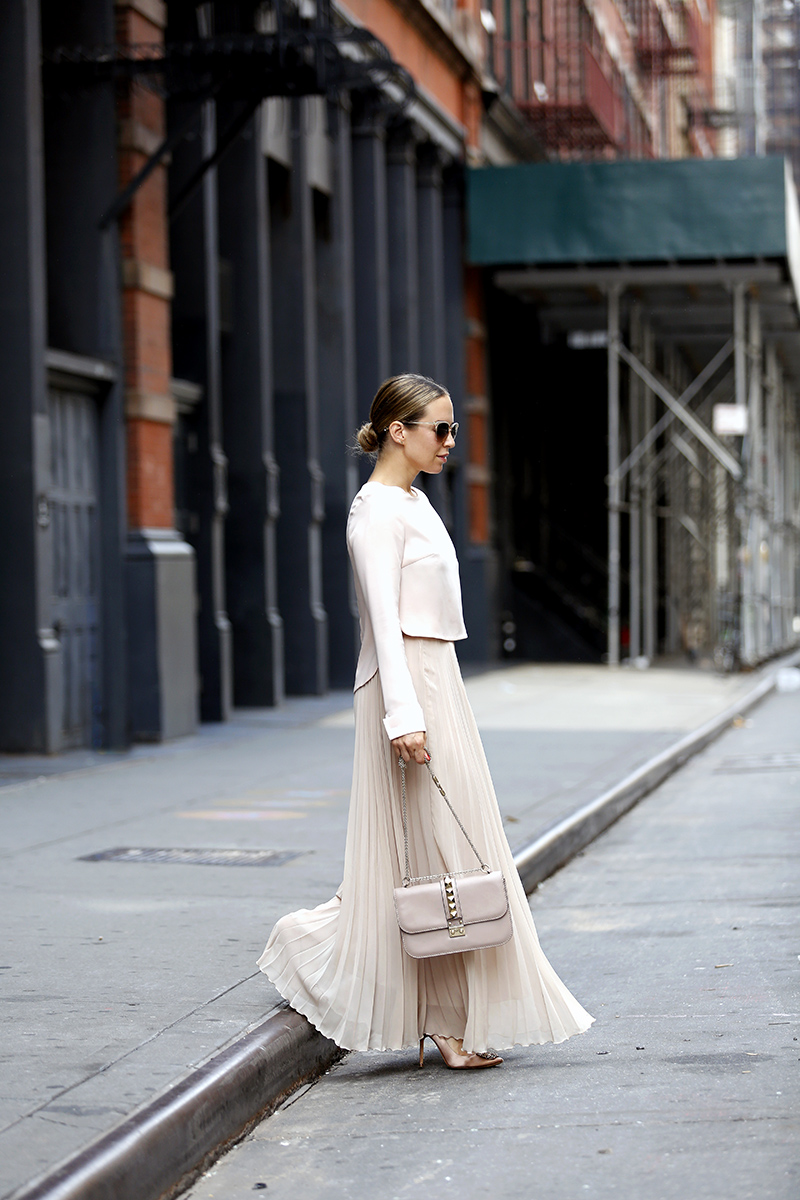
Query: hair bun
point(367, 438)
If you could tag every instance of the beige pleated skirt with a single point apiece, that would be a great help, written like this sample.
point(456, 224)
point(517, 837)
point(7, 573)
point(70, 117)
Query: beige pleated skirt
point(342, 964)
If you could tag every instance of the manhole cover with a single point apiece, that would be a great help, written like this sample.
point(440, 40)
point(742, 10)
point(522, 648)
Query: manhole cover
point(761, 762)
point(195, 858)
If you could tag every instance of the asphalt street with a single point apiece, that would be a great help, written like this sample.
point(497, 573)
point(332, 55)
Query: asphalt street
point(120, 977)
point(678, 930)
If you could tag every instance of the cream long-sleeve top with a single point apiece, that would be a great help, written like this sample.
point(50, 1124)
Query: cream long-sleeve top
point(407, 582)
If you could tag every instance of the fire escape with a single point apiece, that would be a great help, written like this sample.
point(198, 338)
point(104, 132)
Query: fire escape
point(674, 47)
point(780, 56)
point(302, 50)
point(551, 59)
point(555, 68)
point(668, 38)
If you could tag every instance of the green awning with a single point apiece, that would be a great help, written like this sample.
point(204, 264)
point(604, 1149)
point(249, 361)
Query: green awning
point(627, 212)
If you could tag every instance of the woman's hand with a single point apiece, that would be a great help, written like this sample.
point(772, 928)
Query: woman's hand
point(410, 745)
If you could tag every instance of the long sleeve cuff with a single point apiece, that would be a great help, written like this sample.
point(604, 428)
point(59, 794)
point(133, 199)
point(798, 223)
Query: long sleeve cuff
point(409, 719)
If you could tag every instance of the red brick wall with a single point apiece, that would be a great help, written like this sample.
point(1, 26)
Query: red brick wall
point(147, 349)
point(150, 475)
point(147, 285)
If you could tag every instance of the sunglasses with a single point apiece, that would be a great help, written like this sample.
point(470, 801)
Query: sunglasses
point(442, 429)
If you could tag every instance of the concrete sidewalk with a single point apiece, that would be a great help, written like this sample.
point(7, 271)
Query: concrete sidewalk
point(120, 977)
point(677, 929)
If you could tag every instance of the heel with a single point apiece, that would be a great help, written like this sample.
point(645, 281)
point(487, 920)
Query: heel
point(421, 1050)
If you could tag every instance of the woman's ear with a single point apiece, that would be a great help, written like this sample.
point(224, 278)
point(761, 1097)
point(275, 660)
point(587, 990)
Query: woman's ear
point(397, 432)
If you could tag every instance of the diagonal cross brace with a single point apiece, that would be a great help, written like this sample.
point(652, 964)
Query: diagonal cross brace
point(708, 371)
point(224, 144)
point(688, 452)
point(691, 391)
point(692, 423)
point(169, 143)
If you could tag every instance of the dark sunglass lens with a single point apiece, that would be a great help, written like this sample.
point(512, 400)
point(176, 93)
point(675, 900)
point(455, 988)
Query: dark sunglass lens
point(443, 429)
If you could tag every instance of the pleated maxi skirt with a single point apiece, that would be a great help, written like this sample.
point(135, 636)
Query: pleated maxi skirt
point(342, 964)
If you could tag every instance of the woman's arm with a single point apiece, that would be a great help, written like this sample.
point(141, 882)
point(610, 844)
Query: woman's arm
point(377, 547)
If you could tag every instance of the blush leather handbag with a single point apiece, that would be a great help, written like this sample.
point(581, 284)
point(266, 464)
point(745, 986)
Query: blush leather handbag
point(454, 912)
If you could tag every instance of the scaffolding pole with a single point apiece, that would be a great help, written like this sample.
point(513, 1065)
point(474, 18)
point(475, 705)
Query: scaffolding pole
point(649, 578)
point(613, 477)
point(739, 343)
point(752, 584)
point(673, 563)
point(773, 415)
point(635, 517)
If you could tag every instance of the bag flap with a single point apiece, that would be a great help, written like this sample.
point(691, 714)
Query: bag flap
point(482, 897)
point(420, 907)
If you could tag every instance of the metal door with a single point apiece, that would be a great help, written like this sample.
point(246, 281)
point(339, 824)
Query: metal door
point(76, 566)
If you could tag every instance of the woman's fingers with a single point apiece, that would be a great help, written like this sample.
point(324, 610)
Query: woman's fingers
point(399, 748)
point(410, 746)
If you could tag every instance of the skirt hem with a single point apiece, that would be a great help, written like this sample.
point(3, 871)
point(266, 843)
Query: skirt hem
point(306, 1009)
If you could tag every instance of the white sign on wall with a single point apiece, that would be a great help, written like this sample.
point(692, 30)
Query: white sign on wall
point(730, 420)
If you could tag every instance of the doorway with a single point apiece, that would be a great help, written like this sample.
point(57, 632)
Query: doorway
point(75, 523)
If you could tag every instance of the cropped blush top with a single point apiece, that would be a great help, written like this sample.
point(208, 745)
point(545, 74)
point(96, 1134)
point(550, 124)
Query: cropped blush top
point(407, 582)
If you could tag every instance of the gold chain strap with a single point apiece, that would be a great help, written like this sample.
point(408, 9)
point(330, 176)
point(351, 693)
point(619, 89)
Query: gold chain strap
point(425, 878)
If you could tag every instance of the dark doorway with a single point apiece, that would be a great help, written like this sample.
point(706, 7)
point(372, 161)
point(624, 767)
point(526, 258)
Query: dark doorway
point(550, 437)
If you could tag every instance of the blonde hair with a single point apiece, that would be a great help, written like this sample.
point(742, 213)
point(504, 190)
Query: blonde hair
point(402, 398)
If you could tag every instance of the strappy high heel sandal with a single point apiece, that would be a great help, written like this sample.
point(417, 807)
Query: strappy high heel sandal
point(455, 1058)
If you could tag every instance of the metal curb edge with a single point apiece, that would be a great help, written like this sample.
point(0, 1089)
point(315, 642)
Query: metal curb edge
point(168, 1142)
point(554, 848)
point(158, 1150)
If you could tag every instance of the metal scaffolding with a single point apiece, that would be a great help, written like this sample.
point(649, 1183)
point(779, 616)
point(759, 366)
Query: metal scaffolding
point(703, 526)
point(688, 274)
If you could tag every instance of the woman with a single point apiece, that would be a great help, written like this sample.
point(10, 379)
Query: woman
point(342, 964)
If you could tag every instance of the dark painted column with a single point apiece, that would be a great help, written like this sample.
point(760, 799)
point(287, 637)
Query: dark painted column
point(370, 250)
point(29, 651)
point(294, 323)
point(453, 373)
point(84, 314)
point(401, 194)
point(337, 397)
point(250, 543)
point(196, 355)
point(430, 274)
point(474, 557)
point(431, 262)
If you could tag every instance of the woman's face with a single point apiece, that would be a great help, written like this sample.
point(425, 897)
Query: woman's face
point(421, 445)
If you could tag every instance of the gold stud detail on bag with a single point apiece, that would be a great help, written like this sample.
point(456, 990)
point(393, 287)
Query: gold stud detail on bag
point(455, 925)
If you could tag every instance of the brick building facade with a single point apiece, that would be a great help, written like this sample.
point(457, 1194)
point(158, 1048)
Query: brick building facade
point(225, 224)
point(208, 271)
